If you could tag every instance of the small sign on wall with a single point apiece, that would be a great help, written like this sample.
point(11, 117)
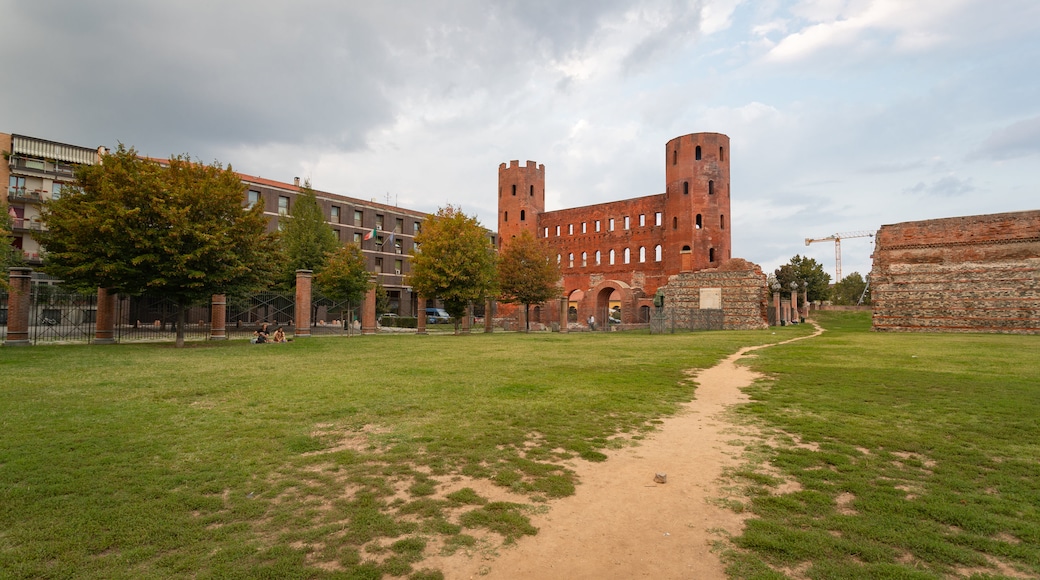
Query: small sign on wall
point(711, 298)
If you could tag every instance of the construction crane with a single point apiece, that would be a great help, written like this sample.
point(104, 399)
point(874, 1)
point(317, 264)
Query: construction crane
point(837, 238)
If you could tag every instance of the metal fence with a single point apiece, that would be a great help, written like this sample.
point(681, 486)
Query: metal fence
point(245, 315)
point(668, 320)
point(150, 318)
point(57, 315)
point(3, 315)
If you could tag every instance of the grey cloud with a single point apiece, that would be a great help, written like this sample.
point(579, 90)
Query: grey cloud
point(1019, 139)
point(948, 186)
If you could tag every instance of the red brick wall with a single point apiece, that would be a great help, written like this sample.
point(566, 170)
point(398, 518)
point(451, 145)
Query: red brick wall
point(964, 274)
point(521, 197)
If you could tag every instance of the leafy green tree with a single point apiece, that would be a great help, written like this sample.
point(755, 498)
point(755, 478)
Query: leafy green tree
point(382, 299)
point(178, 231)
point(9, 255)
point(527, 273)
point(807, 270)
point(307, 239)
point(345, 277)
point(849, 289)
point(454, 261)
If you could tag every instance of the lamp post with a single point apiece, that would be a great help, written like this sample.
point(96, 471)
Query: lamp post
point(794, 302)
point(776, 303)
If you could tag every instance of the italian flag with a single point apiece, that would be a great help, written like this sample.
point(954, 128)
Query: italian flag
point(370, 235)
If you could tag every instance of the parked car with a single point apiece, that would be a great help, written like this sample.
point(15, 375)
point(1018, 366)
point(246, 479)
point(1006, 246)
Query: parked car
point(435, 315)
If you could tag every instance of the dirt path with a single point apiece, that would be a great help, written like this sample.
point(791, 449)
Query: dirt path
point(620, 523)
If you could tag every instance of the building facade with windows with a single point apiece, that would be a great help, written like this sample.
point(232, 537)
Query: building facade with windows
point(35, 170)
point(614, 256)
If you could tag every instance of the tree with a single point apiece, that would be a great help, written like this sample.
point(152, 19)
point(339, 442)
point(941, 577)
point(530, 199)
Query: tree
point(454, 261)
point(527, 273)
point(9, 255)
point(382, 299)
point(307, 239)
point(849, 289)
point(177, 231)
point(345, 276)
point(807, 270)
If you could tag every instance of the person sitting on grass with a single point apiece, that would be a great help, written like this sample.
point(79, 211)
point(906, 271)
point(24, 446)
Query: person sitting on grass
point(279, 335)
point(261, 335)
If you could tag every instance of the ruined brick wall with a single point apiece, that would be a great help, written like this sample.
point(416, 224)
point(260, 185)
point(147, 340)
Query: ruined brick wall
point(965, 274)
point(743, 291)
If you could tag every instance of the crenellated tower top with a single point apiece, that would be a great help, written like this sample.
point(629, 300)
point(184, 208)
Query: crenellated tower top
point(521, 198)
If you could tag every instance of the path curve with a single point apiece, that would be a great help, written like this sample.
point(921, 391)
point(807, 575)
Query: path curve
point(620, 523)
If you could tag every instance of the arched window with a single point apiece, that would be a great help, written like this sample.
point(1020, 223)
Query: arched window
point(697, 153)
point(523, 215)
point(628, 255)
point(711, 254)
point(698, 221)
point(570, 260)
point(505, 217)
point(711, 187)
point(532, 190)
point(722, 156)
point(612, 257)
point(642, 253)
point(584, 259)
point(722, 222)
point(597, 257)
point(675, 223)
point(657, 253)
point(675, 156)
point(686, 248)
point(514, 189)
point(686, 188)
point(558, 257)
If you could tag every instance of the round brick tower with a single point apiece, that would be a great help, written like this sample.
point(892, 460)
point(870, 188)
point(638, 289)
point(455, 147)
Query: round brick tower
point(521, 198)
point(697, 228)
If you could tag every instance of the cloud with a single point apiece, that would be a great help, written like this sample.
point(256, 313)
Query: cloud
point(1019, 139)
point(948, 186)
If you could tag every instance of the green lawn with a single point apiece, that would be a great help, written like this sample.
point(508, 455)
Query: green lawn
point(918, 456)
point(325, 457)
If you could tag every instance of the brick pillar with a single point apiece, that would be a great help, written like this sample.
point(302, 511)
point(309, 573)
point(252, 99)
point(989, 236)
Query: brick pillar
point(105, 323)
point(489, 317)
point(368, 312)
point(563, 314)
point(218, 317)
point(421, 315)
point(303, 303)
point(776, 308)
point(18, 304)
point(467, 319)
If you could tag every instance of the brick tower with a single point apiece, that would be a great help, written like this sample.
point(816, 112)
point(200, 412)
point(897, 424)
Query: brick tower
point(697, 232)
point(521, 199)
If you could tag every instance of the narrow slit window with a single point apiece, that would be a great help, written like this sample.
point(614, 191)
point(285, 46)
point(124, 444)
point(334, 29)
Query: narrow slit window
point(711, 187)
point(698, 226)
point(697, 153)
point(523, 215)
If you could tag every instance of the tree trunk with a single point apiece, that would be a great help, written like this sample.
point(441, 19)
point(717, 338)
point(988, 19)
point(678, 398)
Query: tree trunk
point(527, 318)
point(181, 315)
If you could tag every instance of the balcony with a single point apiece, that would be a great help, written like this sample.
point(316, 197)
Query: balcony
point(24, 195)
point(30, 225)
point(33, 257)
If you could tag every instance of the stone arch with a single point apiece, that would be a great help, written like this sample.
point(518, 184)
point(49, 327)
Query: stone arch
point(597, 302)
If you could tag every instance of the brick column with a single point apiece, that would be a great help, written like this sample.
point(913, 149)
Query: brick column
point(218, 317)
point(467, 318)
point(105, 323)
point(563, 314)
point(303, 303)
point(368, 312)
point(776, 308)
point(489, 317)
point(420, 315)
point(18, 304)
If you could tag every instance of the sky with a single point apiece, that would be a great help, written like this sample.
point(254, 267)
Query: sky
point(843, 115)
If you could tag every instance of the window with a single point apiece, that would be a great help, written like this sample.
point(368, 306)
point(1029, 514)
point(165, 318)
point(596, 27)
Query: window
point(283, 205)
point(399, 226)
point(55, 190)
point(722, 222)
point(570, 260)
point(675, 223)
point(557, 259)
point(675, 157)
point(610, 225)
point(628, 255)
point(379, 265)
point(523, 215)
point(16, 184)
point(357, 238)
point(597, 257)
point(416, 227)
point(398, 247)
point(334, 217)
point(532, 190)
point(584, 259)
point(557, 231)
point(711, 254)
point(657, 253)
point(711, 187)
point(545, 233)
point(505, 216)
point(398, 266)
point(686, 188)
point(514, 190)
point(626, 222)
point(584, 227)
point(698, 226)
point(722, 156)
point(642, 254)
point(252, 197)
point(642, 220)
point(570, 229)
point(657, 219)
point(597, 225)
point(611, 257)
point(357, 217)
point(379, 221)
point(697, 153)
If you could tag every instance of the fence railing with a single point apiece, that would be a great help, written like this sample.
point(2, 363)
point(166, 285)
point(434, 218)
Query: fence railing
point(57, 315)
